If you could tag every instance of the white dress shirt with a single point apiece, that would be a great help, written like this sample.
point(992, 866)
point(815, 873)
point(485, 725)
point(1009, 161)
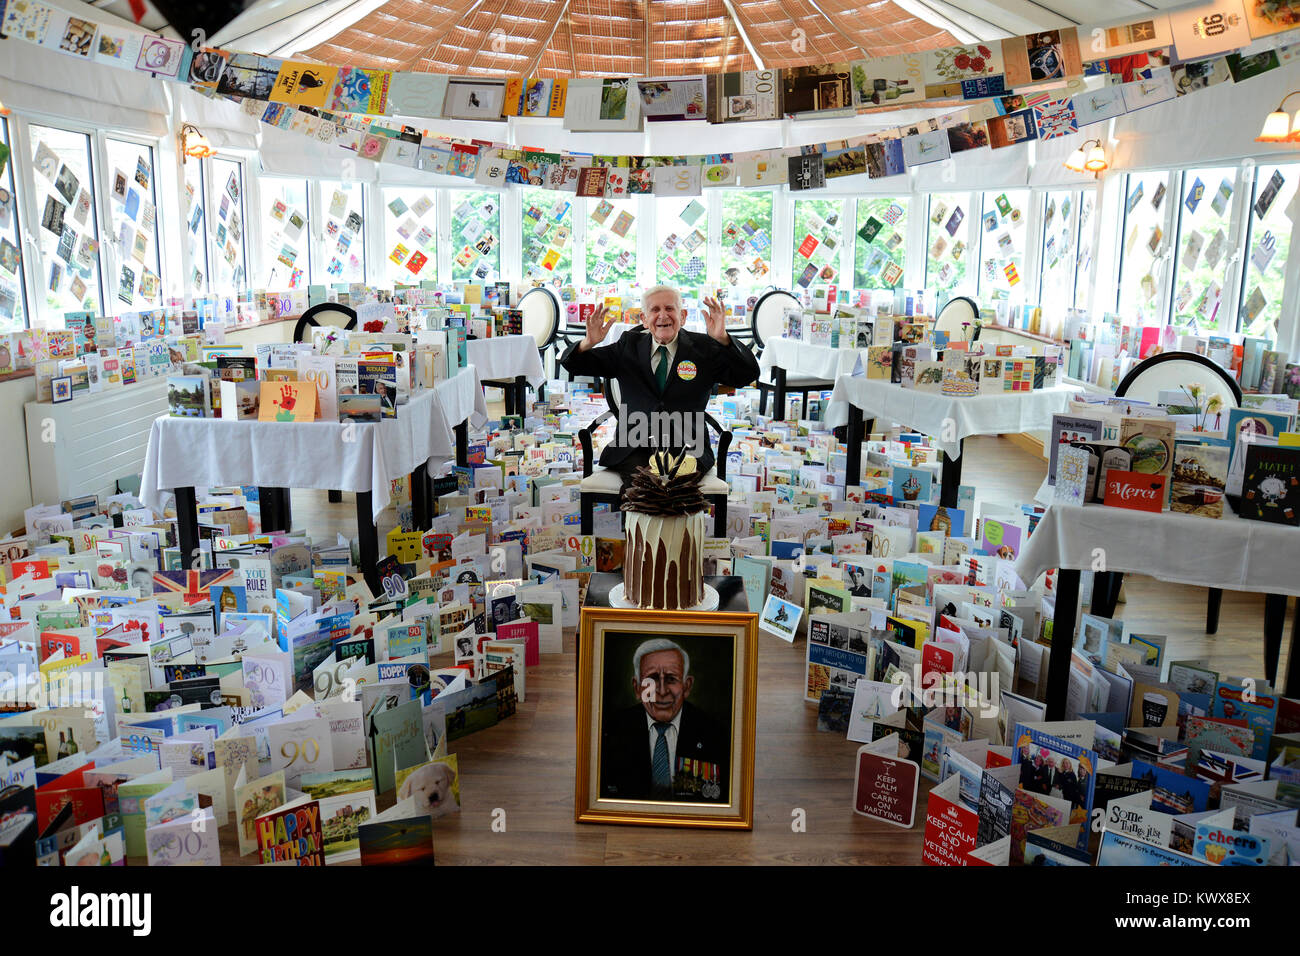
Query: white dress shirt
point(654, 352)
point(670, 735)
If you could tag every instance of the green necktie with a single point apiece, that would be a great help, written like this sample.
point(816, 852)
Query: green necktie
point(661, 371)
point(661, 778)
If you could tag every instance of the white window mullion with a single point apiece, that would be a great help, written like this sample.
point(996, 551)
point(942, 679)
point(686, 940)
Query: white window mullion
point(782, 237)
point(29, 223)
point(713, 248)
point(442, 209)
point(848, 241)
point(1238, 235)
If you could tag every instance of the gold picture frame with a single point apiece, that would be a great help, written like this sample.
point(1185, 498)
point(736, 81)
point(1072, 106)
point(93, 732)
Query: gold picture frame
point(700, 679)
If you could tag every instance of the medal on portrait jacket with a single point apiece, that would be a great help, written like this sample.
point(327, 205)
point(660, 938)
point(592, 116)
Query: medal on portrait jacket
point(697, 778)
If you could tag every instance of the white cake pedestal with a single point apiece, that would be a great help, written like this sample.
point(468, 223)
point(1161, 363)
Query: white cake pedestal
point(710, 602)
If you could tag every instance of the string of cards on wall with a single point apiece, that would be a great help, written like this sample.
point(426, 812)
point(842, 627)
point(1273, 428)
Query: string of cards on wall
point(1147, 60)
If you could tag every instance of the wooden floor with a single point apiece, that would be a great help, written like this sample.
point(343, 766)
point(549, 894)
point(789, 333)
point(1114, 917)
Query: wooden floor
point(525, 766)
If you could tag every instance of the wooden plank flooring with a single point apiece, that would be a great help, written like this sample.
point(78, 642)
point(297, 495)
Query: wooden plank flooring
point(525, 766)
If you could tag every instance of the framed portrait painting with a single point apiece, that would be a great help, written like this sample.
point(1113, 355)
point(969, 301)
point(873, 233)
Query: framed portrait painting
point(666, 710)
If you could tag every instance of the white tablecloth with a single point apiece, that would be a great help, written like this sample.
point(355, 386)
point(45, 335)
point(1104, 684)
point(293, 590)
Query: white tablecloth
point(1229, 552)
point(807, 361)
point(927, 412)
point(203, 452)
point(460, 398)
point(503, 357)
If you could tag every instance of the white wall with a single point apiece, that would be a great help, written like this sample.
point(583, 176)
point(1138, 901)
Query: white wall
point(16, 488)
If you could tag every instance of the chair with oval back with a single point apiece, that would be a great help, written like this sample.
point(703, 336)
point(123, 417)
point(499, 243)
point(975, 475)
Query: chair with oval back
point(318, 316)
point(541, 319)
point(958, 313)
point(767, 322)
point(1168, 371)
point(326, 313)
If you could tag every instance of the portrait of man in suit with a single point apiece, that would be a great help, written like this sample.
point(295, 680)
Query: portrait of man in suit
point(656, 743)
point(660, 368)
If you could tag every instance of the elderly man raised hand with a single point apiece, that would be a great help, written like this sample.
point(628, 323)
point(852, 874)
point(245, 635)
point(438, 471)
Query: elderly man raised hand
point(661, 368)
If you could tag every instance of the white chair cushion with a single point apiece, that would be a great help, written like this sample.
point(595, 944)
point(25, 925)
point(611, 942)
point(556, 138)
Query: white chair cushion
point(603, 481)
point(713, 485)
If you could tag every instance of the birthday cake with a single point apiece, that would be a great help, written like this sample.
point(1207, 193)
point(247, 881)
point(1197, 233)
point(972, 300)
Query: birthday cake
point(663, 557)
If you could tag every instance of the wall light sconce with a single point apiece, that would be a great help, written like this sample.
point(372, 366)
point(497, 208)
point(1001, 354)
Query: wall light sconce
point(194, 143)
point(1088, 160)
point(1280, 128)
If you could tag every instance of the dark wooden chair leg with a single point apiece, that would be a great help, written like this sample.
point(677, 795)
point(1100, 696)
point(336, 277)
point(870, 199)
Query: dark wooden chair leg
point(1212, 605)
point(367, 542)
point(1293, 659)
point(1274, 622)
point(521, 395)
point(720, 516)
point(268, 500)
point(1058, 667)
point(335, 497)
point(1105, 592)
point(187, 529)
point(462, 443)
point(587, 506)
point(950, 480)
point(420, 498)
point(853, 447)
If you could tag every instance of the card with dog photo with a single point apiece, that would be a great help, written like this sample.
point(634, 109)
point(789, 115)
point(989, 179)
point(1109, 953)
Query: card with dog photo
point(434, 786)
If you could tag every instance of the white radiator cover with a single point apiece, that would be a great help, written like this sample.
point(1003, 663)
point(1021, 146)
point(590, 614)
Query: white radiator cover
point(98, 439)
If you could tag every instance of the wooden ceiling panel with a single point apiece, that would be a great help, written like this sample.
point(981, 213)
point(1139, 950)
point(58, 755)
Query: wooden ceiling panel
point(623, 37)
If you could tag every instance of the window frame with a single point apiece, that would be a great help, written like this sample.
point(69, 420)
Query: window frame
point(20, 138)
point(12, 181)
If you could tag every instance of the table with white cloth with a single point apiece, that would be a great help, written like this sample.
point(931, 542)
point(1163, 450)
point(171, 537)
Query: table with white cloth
point(361, 457)
point(948, 419)
point(1233, 553)
point(511, 361)
point(783, 359)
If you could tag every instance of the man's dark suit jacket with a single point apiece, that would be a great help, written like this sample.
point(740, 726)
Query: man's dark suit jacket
point(625, 753)
point(628, 361)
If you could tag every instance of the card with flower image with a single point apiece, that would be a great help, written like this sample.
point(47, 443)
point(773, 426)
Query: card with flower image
point(945, 68)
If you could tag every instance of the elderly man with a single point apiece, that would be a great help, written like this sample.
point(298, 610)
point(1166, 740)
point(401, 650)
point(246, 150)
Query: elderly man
point(661, 368)
point(663, 747)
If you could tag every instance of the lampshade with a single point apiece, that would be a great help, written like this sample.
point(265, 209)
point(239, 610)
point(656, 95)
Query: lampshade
point(1096, 160)
point(194, 143)
point(1277, 128)
point(1076, 160)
